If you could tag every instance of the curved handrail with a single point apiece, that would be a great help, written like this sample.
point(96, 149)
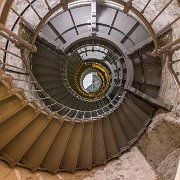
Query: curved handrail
point(5, 11)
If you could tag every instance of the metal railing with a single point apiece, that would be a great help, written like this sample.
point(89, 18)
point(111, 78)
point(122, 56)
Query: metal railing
point(112, 60)
point(12, 36)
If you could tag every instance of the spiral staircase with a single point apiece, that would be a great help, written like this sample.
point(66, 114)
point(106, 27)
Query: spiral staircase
point(84, 92)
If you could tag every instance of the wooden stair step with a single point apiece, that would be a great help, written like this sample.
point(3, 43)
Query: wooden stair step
point(69, 160)
point(144, 106)
point(3, 90)
point(16, 148)
point(132, 118)
point(55, 153)
point(99, 154)
point(39, 148)
point(16, 123)
point(110, 143)
point(85, 153)
point(119, 134)
point(9, 106)
point(142, 116)
point(126, 126)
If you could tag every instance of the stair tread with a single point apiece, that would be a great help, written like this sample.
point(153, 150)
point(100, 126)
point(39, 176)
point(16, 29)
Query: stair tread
point(69, 160)
point(3, 90)
point(119, 134)
point(16, 148)
point(99, 154)
point(133, 120)
point(16, 123)
point(126, 126)
point(38, 149)
point(55, 153)
point(85, 152)
point(110, 143)
point(147, 108)
point(143, 117)
point(10, 106)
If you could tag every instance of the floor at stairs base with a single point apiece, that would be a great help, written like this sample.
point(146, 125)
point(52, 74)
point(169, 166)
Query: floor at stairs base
point(168, 167)
point(160, 144)
point(131, 165)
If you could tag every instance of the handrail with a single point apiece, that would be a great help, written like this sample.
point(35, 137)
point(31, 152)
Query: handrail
point(5, 11)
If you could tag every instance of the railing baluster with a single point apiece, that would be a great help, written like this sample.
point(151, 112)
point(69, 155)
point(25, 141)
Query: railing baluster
point(40, 18)
point(16, 79)
point(175, 48)
point(145, 6)
point(32, 90)
point(51, 105)
point(13, 66)
point(39, 99)
point(10, 53)
point(60, 109)
point(166, 47)
point(161, 11)
point(64, 4)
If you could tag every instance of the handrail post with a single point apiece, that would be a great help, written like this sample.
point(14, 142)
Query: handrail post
point(18, 39)
point(167, 47)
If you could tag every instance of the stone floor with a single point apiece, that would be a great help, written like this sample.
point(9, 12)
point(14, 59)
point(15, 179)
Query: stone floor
point(131, 166)
point(168, 167)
